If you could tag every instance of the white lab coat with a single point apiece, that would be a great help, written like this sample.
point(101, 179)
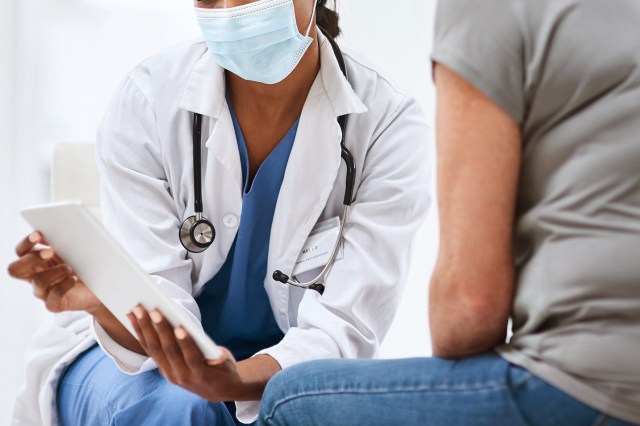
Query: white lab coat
point(145, 157)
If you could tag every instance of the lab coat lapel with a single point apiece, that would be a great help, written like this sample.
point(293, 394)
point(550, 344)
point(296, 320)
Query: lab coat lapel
point(222, 191)
point(206, 94)
point(205, 90)
point(223, 148)
point(311, 173)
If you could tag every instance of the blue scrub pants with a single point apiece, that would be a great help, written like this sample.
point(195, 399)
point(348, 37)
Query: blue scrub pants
point(484, 390)
point(94, 392)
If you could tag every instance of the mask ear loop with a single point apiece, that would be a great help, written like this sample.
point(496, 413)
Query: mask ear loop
point(313, 15)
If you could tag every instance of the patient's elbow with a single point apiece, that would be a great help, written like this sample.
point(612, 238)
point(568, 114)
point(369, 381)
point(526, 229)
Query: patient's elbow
point(468, 326)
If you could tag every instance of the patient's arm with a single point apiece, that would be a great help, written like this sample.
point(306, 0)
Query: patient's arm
point(479, 151)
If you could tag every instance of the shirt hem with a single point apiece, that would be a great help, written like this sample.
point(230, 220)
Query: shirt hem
point(571, 385)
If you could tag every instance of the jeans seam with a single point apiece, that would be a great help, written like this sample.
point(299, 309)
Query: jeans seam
point(521, 382)
point(268, 417)
point(600, 420)
point(516, 406)
point(513, 387)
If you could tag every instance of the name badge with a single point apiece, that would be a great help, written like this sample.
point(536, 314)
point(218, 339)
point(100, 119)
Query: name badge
point(317, 250)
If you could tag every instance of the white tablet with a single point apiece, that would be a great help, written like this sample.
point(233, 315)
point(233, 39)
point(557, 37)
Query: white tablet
point(103, 265)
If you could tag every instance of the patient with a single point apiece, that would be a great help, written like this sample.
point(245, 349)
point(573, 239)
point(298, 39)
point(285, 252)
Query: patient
point(538, 133)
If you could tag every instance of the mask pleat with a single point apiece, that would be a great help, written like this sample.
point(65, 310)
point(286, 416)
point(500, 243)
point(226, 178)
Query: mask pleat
point(258, 42)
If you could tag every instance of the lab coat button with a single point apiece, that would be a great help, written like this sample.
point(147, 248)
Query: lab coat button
point(230, 221)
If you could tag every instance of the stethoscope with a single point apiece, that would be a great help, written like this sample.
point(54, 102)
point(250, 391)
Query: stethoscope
point(197, 233)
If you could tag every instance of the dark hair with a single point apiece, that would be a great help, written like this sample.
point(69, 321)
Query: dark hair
point(327, 18)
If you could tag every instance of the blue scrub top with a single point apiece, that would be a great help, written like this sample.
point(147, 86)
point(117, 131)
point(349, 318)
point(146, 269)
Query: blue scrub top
point(234, 305)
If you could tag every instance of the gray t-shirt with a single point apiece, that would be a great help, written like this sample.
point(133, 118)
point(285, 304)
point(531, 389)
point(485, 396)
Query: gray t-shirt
point(568, 71)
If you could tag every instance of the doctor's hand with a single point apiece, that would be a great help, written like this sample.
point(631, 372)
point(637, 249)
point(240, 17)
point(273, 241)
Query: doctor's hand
point(52, 280)
point(182, 363)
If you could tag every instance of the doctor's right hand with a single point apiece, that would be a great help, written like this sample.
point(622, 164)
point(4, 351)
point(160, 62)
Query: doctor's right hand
point(52, 280)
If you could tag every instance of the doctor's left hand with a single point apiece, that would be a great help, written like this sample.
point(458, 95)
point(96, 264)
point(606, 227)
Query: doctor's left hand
point(182, 363)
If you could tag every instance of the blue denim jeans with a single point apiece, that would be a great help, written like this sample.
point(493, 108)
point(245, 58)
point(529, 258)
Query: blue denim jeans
point(484, 390)
point(94, 392)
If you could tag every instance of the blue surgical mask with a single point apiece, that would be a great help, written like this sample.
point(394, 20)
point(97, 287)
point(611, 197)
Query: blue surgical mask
point(258, 42)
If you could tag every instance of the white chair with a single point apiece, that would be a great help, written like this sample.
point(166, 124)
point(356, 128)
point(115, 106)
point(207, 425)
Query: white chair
point(74, 175)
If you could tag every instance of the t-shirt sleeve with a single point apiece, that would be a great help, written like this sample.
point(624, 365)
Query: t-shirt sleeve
point(482, 41)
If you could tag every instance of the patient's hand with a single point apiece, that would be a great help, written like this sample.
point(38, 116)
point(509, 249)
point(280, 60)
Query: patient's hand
point(52, 280)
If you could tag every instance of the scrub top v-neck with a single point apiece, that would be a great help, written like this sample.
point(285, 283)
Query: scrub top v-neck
point(234, 305)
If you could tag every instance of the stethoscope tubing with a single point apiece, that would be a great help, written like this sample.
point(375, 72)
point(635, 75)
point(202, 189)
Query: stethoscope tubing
point(197, 163)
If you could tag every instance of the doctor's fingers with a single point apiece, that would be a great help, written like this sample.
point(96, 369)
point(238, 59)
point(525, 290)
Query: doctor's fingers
point(56, 299)
point(181, 373)
point(190, 352)
point(28, 243)
point(32, 263)
point(149, 339)
point(44, 281)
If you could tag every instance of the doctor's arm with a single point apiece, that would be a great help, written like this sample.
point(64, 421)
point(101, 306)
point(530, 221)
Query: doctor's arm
point(56, 284)
point(479, 152)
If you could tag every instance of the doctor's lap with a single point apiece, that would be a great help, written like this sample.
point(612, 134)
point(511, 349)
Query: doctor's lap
point(270, 187)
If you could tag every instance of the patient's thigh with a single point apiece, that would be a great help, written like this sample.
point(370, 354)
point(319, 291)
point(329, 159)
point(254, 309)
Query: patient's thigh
point(477, 391)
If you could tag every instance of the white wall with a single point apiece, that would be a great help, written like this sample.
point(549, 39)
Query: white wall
point(61, 61)
point(397, 36)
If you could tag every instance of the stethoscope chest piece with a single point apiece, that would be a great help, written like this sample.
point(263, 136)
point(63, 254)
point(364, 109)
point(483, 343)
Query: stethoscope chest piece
point(197, 233)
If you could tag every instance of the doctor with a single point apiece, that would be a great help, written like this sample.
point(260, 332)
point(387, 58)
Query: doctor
point(265, 88)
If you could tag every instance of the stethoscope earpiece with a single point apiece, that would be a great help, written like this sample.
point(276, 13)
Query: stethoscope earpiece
point(197, 234)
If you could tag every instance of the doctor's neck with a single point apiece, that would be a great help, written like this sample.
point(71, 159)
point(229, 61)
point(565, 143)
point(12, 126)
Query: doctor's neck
point(291, 93)
point(283, 99)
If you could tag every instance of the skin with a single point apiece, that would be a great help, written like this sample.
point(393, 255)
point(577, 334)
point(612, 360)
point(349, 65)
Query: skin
point(265, 114)
point(479, 154)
